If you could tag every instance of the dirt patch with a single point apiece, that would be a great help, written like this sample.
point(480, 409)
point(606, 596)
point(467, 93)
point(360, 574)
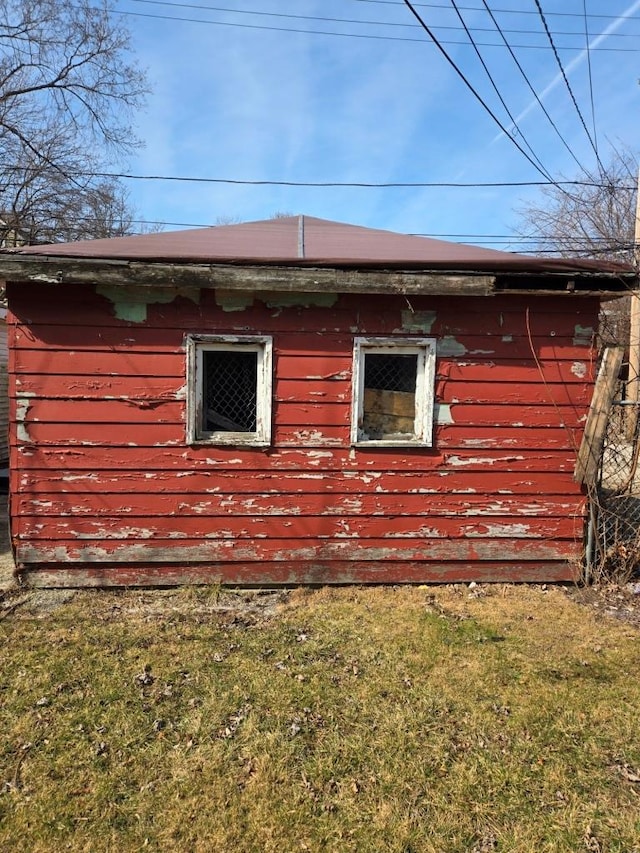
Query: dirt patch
point(232, 607)
point(616, 601)
point(245, 608)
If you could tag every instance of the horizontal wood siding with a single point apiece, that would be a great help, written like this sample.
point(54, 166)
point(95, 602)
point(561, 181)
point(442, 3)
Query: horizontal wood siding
point(4, 398)
point(106, 490)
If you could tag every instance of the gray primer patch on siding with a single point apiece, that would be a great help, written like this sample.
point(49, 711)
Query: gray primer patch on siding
point(442, 412)
point(234, 300)
point(22, 410)
point(448, 345)
point(130, 302)
point(418, 321)
point(300, 300)
point(583, 336)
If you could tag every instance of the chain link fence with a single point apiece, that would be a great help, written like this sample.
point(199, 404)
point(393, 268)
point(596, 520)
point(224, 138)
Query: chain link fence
point(615, 499)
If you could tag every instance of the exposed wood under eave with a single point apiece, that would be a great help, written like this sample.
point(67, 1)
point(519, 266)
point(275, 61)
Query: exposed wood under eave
point(542, 291)
point(56, 270)
point(252, 278)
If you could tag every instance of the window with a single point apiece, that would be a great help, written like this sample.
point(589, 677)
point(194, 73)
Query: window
point(393, 382)
point(229, 389)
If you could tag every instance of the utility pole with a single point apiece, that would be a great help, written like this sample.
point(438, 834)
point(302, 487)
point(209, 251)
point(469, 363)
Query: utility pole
point(633, 380)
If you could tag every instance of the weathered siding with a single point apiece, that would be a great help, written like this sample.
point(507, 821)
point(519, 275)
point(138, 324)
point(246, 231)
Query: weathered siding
point(106, 490)
point(4, 398)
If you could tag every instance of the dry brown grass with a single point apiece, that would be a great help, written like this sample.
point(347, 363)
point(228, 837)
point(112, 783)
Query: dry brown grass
point(409, 719)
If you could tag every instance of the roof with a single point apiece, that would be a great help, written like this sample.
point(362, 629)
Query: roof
point(305, 241)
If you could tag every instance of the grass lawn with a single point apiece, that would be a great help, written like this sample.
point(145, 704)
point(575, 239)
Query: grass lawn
point(376, 719)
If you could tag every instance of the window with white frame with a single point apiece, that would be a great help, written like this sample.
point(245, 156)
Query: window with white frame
point(393, 391)
point(229, 389)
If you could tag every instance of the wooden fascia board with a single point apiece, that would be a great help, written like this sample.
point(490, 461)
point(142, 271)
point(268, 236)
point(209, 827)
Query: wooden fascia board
point(600, 293)
point(56, 270)
point(248, 278)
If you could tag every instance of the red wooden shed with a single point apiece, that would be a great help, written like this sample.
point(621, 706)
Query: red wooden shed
point(297, 401)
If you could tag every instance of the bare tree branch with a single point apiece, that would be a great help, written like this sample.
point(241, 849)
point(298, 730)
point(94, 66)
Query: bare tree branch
point(590, 221)
point(68, 89)
point(595, 221)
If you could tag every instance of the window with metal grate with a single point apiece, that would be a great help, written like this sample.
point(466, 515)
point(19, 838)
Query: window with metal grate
point(393, 391)
point(229, 389)
point(229, 394)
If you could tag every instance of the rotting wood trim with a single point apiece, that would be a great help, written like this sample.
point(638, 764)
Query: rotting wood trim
point(50, 270)
point(288, 574)
point(588, 460)
point(229, 551)
point(256, 276)
point(617, 291)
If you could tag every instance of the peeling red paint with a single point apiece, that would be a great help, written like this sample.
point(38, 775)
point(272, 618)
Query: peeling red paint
point(106, 489)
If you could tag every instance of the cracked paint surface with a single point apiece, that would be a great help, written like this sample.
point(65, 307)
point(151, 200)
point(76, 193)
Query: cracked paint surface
point(130, 303)
point(108, 488)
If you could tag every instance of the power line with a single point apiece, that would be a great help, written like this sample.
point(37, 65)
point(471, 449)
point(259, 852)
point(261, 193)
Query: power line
point(354, 184)
point(573, 244)
point(501, 11)
point(81, 173)
point(260, 13)
point(568, 85)
point(498, 239)
point(588, 48)
point(325, 19)
point(531, 87)
point(496, 90)
point(370, 36)
point(472, 89)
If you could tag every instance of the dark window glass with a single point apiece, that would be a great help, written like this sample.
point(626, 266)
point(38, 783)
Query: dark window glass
point(229, 398)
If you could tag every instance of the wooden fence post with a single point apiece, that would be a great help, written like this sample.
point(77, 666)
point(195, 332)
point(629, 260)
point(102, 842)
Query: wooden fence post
point(588, 461)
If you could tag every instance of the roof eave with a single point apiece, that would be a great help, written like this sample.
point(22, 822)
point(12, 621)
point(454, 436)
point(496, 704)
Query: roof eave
point(258, 277)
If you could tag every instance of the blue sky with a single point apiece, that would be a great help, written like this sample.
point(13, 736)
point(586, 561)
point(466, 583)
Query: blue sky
point(238, 95)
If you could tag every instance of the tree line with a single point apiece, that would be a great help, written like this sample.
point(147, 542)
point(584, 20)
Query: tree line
point(69, 87)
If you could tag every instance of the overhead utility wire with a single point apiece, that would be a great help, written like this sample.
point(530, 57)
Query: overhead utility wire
point(502, 11)
point(588, 48)
point(531, 87)
point(568, 85)
point(496, 90)
point(259, 13)
point(356, 184)
point(80, 173)
point(575, 244)
point(370, 36)
point(472, 89)
point(493, 239)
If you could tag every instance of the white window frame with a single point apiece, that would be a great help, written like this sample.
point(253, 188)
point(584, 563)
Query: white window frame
point(425, 350)
point(196, 346)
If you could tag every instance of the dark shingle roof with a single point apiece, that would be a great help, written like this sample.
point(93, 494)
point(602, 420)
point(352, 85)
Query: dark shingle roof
point(308, 241)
